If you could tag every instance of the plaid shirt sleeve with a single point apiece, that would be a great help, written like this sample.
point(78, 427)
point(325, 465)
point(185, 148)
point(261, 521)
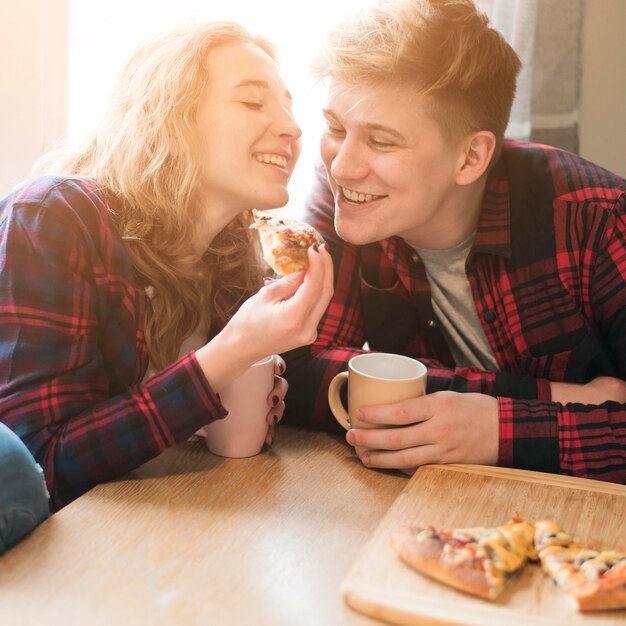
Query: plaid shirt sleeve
point(577, 439)
point(72, 353)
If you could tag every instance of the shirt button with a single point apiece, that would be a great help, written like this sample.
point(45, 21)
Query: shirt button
point(432, 323)
point(414, 257)
point(490, 317)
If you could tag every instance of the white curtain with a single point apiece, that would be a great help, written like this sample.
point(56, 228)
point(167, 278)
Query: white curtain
point(546, 35)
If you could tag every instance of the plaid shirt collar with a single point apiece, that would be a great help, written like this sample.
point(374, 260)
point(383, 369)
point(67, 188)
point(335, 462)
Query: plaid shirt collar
point(494, 226)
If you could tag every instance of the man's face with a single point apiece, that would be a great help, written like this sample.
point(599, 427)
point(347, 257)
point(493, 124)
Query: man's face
point(390, 168)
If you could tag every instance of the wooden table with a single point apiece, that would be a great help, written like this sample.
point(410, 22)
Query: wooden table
point(191, 538)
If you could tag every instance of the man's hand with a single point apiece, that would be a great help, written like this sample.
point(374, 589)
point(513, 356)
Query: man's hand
point(597, 391)
point(442, 427)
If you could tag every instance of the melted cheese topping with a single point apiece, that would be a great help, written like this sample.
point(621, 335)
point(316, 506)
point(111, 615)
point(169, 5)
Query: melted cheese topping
point(548, 533)
point(602, 563)
point(574, 566)
point(507, 546)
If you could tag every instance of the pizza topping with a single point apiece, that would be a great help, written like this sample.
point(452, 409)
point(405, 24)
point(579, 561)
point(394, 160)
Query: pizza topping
point(507, 547)
point(548, 533)
point(600, 564)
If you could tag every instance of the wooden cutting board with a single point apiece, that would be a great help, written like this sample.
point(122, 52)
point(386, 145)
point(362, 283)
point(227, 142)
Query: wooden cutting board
point(381, 586)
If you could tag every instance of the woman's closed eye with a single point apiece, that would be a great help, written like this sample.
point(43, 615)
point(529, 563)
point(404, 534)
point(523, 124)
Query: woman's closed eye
point(255, 106)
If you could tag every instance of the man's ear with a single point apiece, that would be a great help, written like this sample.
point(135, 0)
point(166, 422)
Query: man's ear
point(477, 150)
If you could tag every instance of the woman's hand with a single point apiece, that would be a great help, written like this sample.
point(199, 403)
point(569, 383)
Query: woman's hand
point(283, 315)
point(276, 399)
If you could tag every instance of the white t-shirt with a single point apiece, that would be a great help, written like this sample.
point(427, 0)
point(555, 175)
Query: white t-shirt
point(454, 306)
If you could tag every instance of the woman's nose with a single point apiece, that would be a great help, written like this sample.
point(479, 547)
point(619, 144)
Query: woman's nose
point(286, 126)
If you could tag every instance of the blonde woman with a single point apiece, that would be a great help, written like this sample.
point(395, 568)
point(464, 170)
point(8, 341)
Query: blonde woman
point(136, 254)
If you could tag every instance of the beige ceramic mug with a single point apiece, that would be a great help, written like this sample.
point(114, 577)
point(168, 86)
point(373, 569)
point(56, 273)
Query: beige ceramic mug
point(375, 378)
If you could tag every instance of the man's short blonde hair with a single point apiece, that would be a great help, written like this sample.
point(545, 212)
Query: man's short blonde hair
point(443, 49)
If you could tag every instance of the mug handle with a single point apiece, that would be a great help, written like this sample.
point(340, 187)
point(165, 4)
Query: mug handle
point(334, 399)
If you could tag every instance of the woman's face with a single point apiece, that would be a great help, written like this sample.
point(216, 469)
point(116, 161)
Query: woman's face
point(250, 140)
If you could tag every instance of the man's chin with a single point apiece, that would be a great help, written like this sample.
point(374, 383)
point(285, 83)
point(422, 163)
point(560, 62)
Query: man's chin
point(354, 234)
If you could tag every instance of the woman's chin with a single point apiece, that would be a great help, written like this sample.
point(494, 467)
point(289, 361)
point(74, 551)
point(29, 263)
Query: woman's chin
point(271, 201)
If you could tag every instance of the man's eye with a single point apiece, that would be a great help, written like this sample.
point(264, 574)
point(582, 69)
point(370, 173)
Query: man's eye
point(255, 106)
point(333, 130)
point(381, 144)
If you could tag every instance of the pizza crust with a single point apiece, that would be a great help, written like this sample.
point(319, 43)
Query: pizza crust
point(600, 596)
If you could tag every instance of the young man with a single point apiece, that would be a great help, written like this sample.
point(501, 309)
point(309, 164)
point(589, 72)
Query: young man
point(500, 265)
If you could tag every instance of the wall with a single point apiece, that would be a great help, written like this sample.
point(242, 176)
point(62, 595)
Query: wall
point(603, 87)
point(33, 79)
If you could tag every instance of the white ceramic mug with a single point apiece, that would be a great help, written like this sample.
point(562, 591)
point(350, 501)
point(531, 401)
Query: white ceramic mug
point(375, 378)
point(242, 432)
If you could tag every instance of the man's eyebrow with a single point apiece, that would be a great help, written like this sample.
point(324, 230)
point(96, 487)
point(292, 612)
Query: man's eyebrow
point(369, 126)
point(255, 82)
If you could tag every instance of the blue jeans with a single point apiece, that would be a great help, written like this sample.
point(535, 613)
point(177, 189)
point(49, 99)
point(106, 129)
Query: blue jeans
point(23, 493)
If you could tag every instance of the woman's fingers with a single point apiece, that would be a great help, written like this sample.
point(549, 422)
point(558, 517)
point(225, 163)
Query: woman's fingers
point(279, 391)
point(327, 284)
point(317, 282)
point(279, 365)
point(285, 287)
point(275, 414)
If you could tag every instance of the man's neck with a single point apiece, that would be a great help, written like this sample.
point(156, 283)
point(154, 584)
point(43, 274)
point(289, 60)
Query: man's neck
point(459, 219)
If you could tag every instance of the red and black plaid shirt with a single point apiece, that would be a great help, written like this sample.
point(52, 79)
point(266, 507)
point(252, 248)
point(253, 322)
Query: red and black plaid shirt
point(72, 350)
point(548, 275)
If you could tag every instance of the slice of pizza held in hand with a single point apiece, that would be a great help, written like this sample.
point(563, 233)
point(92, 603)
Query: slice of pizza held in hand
point(285, 242)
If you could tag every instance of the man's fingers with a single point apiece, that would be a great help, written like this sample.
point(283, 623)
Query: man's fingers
point(390, 438)
point(398, 414)
point(401, 459)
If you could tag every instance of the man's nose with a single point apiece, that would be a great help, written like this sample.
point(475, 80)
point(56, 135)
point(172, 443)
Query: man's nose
point(349, 162)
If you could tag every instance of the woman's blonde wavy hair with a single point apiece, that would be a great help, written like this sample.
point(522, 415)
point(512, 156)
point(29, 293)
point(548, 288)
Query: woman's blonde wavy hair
point(145, 155)
point(443, 49)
